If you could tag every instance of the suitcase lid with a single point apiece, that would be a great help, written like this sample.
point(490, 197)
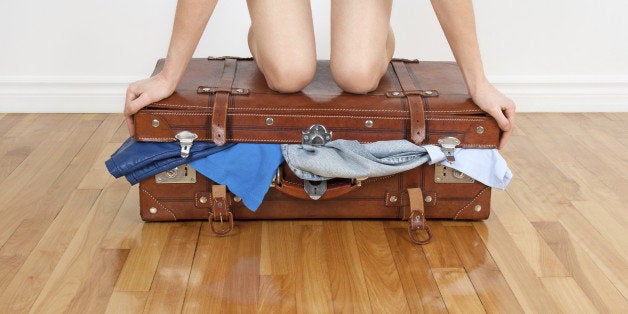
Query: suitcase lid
point(224, 97)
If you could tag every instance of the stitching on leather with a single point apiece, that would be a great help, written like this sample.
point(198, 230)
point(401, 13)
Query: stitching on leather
point(170, 139)
point(280, 115)
point(321, 109)
point(478, 146)
point(316, 109)
point(159, 203)
point(375, 179)
point(471, 202)
point(261, 140)
point(295, 183)
point(183, 113)
point(455, 119)
point(179, 106)
point(316, 116)
point(462, 110)
point(290, 109)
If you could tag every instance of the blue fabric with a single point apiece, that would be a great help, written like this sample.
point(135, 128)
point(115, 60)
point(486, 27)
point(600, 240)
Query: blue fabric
point(485, 165)
point(246, 169)
point(140, 160)
point(351, 159)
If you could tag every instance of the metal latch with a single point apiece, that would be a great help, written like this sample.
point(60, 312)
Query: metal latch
point(448, 145)
point(317, 135)
point(185, 139)
point(180, 174)
point(444, 174)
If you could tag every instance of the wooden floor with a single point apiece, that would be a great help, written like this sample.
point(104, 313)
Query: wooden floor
point(71, 239)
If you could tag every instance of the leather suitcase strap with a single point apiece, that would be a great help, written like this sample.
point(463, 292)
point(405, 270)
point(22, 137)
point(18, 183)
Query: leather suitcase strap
point(221, 102)
point(220, 211)
point(416, 105)
point(417, 217)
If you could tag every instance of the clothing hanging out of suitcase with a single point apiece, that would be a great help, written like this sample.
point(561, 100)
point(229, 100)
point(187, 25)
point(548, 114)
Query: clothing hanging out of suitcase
point(226, 100)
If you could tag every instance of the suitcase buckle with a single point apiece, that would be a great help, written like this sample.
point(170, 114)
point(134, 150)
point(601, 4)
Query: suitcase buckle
point(417, 224)
point(223, 230)
point(185, 139)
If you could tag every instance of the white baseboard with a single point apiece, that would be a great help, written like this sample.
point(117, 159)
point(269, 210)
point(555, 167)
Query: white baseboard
point(565, 93)
point(105, 94)
point(75, 94)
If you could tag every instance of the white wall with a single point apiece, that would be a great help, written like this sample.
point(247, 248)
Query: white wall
point(78, 56)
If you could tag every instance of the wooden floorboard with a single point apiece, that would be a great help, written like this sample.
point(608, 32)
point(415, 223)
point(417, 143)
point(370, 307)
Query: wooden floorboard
point(71, 240)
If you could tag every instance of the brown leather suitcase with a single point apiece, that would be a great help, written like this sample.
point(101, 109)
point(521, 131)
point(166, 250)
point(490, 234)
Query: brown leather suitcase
point(227, 100)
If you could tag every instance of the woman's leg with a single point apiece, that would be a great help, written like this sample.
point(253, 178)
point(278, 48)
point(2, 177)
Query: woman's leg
point(281, 40)
point(362, 43)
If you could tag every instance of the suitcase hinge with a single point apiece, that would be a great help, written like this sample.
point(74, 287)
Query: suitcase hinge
point(448, 145)
point(186, 138)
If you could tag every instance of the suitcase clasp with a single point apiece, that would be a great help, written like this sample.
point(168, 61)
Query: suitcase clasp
point(448, 145)
point(316, 135)
point(185, 139)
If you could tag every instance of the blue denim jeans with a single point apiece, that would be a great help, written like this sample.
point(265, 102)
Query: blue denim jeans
point(140, 160)
point(350, 159)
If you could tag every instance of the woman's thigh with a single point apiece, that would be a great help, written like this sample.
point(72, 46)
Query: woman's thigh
point(281, 40)
point(362, 43)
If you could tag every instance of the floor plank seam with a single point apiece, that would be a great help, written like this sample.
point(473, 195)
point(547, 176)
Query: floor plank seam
point(187, 286)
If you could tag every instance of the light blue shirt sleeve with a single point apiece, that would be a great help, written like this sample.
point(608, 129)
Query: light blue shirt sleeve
point(485, 165)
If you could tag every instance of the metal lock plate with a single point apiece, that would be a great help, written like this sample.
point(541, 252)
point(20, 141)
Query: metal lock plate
point(180, 174)
point(315, 189)
point(444, 174)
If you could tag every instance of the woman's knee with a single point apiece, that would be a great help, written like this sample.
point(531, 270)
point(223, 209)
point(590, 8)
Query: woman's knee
point(358, 76)
point(288, 76)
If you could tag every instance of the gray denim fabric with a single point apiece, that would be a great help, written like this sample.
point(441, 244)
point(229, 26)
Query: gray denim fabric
point(350, 159)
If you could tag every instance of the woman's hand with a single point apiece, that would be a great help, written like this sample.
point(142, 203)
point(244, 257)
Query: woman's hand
point(502, 108)
point(142, 93)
